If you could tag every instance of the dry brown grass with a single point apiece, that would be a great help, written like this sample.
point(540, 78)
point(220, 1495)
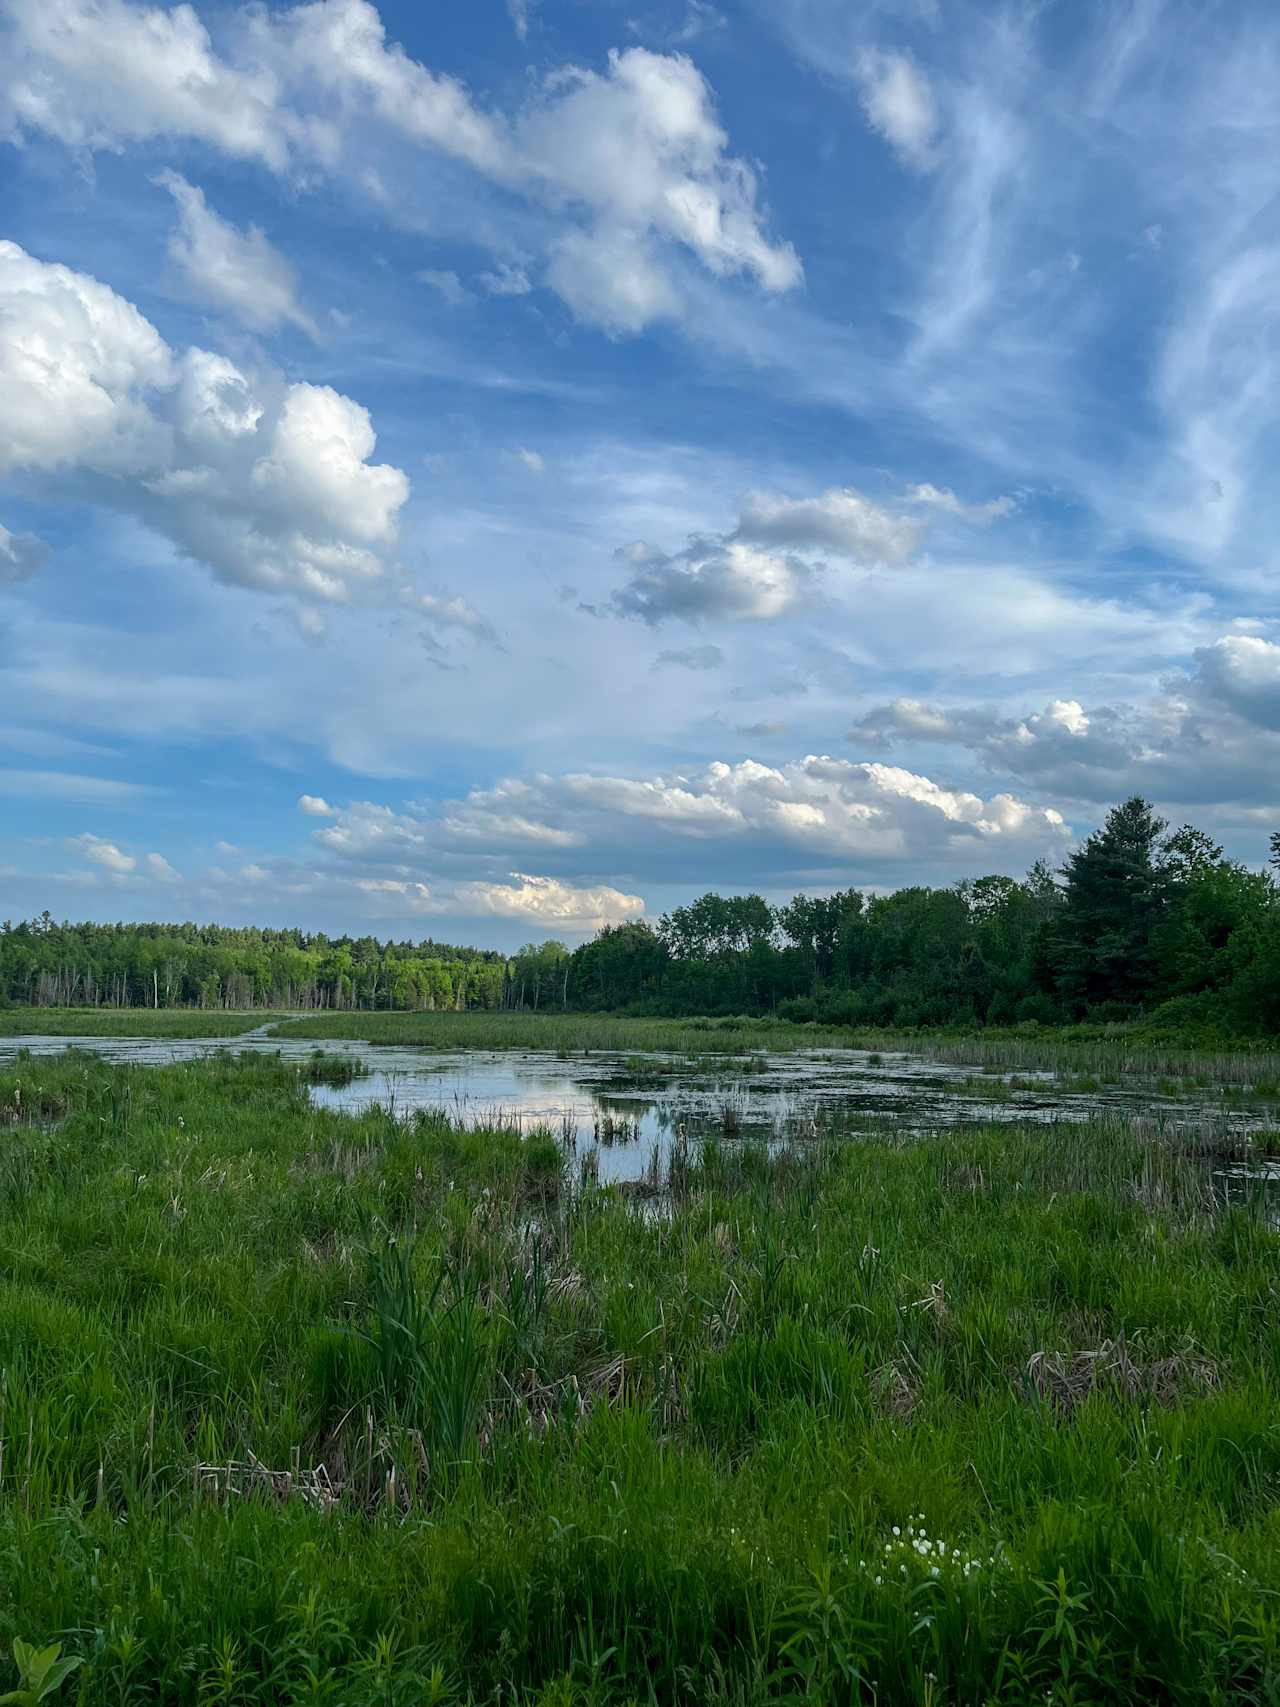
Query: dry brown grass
point(1065, 1380)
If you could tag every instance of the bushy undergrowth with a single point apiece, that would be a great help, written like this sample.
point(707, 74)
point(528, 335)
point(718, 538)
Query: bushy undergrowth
point(299, 1406)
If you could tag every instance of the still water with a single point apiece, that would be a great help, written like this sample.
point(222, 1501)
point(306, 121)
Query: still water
point(627, 1111)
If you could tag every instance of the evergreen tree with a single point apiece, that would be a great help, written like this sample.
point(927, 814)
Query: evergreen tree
point(1114, 894)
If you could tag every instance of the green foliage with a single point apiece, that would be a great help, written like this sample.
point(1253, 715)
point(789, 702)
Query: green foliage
point(128, 1022)
point(1102, 939)
point(41, 1673)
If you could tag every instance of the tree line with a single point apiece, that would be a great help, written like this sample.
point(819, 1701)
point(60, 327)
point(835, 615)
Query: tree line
point(212, 966)
point(1141, 921)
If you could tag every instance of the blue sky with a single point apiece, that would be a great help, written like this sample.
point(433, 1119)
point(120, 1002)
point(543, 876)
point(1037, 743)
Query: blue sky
point(493, 470)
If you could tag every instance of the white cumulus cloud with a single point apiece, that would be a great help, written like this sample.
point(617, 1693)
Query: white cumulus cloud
point(839, 520)
point(629, 166)
point(103, 73)
point(271, 485)
point(942, 498)
point(158, 866)
point(1211, 733)
point(105, 854)
point(78, 365)
point(768, 563)
point(549, 903)
point(446, 284)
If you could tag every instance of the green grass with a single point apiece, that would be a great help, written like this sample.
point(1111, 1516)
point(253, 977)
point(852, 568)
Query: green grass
point(568, 1032)
point(1090, 1055)
point(303, 1407)
point(127, 1022)
point(1093, 1055)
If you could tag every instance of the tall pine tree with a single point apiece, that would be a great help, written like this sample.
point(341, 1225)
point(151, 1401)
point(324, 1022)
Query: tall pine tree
point(1113, 899)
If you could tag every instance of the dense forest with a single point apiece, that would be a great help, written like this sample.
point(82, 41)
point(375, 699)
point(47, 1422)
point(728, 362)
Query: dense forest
point(1139, 922)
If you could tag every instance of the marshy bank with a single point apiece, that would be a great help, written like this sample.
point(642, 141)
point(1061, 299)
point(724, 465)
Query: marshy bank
point(634, 1106)
point(130, 1022)
point(301, 1404)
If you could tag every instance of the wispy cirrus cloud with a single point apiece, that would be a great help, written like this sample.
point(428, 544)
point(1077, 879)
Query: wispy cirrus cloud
point(235, 270)
point(69, 786)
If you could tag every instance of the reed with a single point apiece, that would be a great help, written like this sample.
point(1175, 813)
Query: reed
point(129, 1022)
point(563, 1034)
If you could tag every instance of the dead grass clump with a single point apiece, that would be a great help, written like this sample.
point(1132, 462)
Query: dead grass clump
point(347, 1161)
point(972, 1180)
point(1065, 1380)
point(544, 1403)
point(896, 1390)
point(723, 1239)
point(245, 1480)
point(33, 1107)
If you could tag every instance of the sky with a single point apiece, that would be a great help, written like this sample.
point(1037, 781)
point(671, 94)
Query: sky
point(491, 471)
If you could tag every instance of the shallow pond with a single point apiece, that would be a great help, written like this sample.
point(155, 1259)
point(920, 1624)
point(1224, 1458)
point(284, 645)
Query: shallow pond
point(622, 1114)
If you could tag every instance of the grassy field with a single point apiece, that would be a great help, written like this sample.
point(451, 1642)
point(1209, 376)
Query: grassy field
point(299, 1407)
point(127, 1022)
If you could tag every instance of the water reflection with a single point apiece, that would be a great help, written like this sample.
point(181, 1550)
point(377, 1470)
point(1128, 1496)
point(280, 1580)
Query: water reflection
point(632, 1110)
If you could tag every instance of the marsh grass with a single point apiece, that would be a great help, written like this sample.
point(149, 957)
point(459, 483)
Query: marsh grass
point(299, 1406)
point(570, 1033)
point(324, 1069)
point(128, 1022)
point(1091, 1057)
point(1082, 1058)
